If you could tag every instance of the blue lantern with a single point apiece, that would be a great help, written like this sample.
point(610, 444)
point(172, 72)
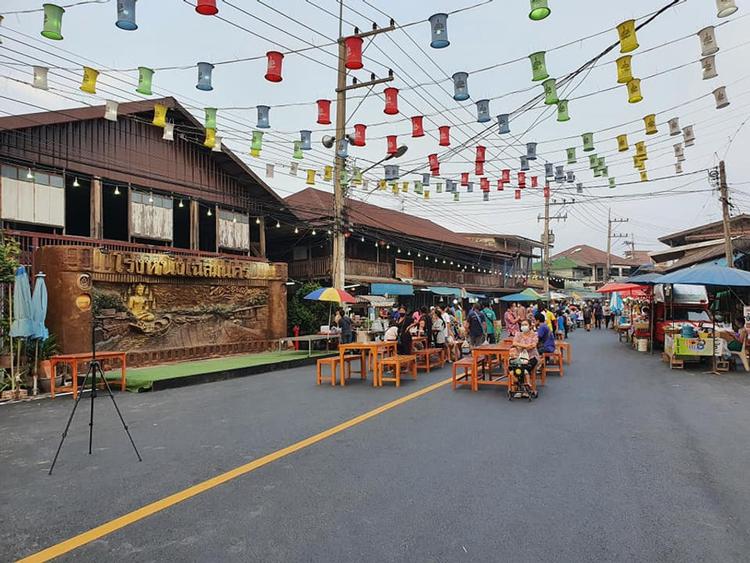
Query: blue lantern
point(503, 123)
point(570, 176)
point(524, 163)
point(263, 117)
point(426, 179)
point(343, 149)
point(439, 24)
point(470, 187)
point(483, 111)
point(531, 151)
point(461, 86)
point(126, 15)
point(549, 170)
point(391, 171)
point(204, 77)
point(305, 138)
point(559, 174)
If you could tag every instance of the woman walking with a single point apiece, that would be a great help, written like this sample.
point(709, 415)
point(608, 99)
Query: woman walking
point(511, 320)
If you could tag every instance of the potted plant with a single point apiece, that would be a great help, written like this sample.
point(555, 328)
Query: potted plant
point(47, 349)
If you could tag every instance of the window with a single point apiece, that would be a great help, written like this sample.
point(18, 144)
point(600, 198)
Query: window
point(56, 181)
point(41, 179)
point(10, 172)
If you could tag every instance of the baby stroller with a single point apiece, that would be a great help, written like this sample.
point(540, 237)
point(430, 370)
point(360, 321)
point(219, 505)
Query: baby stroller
point(518, 369)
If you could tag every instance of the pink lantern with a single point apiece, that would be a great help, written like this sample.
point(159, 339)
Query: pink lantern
point(273, 72)
point(479, 168)
point(500, 185)
point(391, 101)
point(359, 135)
point(324, 112)
point(522, 179)
point(534, 182)
point(518, 194)
point(445, 135)
point(484, 184)
point(392, 144)
point(481, 153)
point(506, 176)
point(206, 7)
point(417, 130)
point(353, 46)
point(464, 178)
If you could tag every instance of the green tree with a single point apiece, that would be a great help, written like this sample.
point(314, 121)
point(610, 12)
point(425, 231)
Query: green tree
point(308, 315)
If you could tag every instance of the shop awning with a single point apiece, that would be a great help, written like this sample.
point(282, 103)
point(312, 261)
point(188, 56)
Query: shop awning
point(391, 289)
point(376, 300)
point(475, 295)
point(454, 291)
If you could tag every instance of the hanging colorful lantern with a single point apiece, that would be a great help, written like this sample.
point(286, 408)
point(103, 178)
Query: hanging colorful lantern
point(559, 174)
point(426, 180)
point(483, 111)
point(392, 142)
point(500, 185)
point(549, 170)
point(531, 151)
point(357, 180)
point(456, 196)
point(571, 152)
point(464, 178)
point(210, 119)
point(417, 128)
point(708, 64)
point(254, 153)
point(634, 91)
point(478, 168)
point(217, 148)
point(328, 173)
point(405, 187)
point(725, 8)
point(534, 181)
point(593, 161)
point(310, 180)
point(503, 123)
point(297, 154)
point(88, 84)
point(53, 21)
point(305, 138)
point(562, 111)
point(394, 188)
point(206, 7)
point(269, 170)
point(445, 135)
point(382, 184)
point(256, 144)
point(644, 176)
point(439, 27)
point(160, 115)
point(486, 196)
point(360, 131)
point(204, 77)
point(650, 124)
point(588, 142)
point(484, 184)
point(40, 77)
point(126, 15)
point(550, 92)
point(622, 143)
point(628, 39)
point(168, 132)
point(210, 140)
point(427, 194)
point(481, 154)
point(433, 160)
point(640, 150)
point(579, 188)
point(470, 187)
point(353, 45)
point(391, 101)
point(612, 183)
point(263, 117)
point(720, 95)
point(110, 110)
point(450, 186)
point(638, 162)
point(678, 167)
point(674, 126)
point(273, 69)
point(324, 112)
point(538, 66)
point(688, 135)
point(524, 163)
point(145, 77)
point(624, 69)
point(521, 180)
point(679, 152)
point(707, 37)
point(539, 10)
point(517, 194)
point(570, 176)
point(461, 86)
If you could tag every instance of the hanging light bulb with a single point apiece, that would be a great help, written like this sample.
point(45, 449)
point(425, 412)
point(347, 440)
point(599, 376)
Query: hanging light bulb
point(75, 183)
point(209, 212)
point(181, 204)
point(29, 174)
point(296, 230)
point(257, 220)
point(150, 198)
point(234, 218)
point(278, 224)
point(117, 190)
point(539, 10)
point(314, 233)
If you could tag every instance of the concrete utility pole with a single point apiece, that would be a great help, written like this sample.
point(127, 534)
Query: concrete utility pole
point(338, 262)
point(610, 236)
point(724, 190)
point(547, 237)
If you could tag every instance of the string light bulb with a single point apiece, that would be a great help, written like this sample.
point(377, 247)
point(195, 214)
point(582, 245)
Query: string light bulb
point(29, 174)
point(75, 183)
point(150, 198)
point(181, 204)
point(208, 213)
point(296, 231)
point(278, 224)
point(117, 190)
point(257, 220)
point(314, 233)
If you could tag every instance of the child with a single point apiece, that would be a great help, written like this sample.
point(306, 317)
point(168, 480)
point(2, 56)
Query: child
point(560, 333)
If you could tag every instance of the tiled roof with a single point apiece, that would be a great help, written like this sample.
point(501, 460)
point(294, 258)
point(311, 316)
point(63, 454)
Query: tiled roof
point(585, 254)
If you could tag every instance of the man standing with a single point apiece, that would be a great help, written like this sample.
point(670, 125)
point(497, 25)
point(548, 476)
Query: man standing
point(489, 314)
point(598, 315)
point(477, 326)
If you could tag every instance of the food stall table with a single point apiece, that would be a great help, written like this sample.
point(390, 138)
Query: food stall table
point(498, 351)
point(373, 348)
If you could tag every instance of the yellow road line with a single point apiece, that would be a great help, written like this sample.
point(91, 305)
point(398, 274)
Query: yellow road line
point(180, 496)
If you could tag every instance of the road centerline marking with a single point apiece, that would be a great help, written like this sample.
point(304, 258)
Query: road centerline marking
point(125, 520)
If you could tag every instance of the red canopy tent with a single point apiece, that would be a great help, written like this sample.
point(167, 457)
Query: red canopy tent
point(625, 289)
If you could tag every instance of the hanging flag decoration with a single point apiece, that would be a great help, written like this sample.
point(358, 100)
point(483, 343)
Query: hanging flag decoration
point(145, 78)
point(256, 143)
point(210, 119)
point(562, 111)
point(725, 8)
point(445, 135)
point(110, 110)
point(88, 84)
point(53, 22)
point(708, 64)
point(204, 76)
point(324, 112)
point(674, 126)
point(538, 66)
point(707, 37)
point(263, 117)
point(688, 136)
point(305, 138)
point(539, 10)
point(273, 69)
point(634, 91)
point(588, 142)
point(293, 168)
point(439, 28)
point(206, 7)
point(310, 179)
point(353, 47)
point(461, 86)
point(126, 15)
point(160, 115)
point(503, 123)
point(297, 154)
point(531, 151)
point(360, 133)
point(626, 34)
point(417, 128)
point(210, 140)
point(720, 95)
point(40, 77)
point(624, 69)
point(571, 151)
point(168, 132)
point(392, 143)
point(650, 124)
point(269, 170)
point(483, 111)
point(391, 101)
point(622, 143)
point(550, 92)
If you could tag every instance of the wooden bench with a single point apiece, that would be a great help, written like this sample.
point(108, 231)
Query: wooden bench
point(426, 354)
point(408, 362)
point(333, 363)
point(552, 362)
point(460, 379)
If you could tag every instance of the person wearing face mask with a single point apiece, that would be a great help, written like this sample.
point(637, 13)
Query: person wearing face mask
point(527, 340)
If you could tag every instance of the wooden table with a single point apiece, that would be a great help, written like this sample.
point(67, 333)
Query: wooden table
point(363, 348)
point(418, 340)
point(310, 338)
point(498, 351)
point(74, 359)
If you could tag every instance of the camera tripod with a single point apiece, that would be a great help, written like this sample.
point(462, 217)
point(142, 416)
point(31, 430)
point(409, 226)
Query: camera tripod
point(94, 372)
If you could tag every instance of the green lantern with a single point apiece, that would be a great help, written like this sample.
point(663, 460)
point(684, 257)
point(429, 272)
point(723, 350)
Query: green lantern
point(612, 183)
point(145, 76)
point(601, 162)
point(538, 66)
point(571, 155)
point(298, 150)
point(53, 21)
point(439, 187)
point(210, 118)
point(257, 143)
point(550, 92)
point(418, 187)
point(588, 142)
point(539, 10)
point(605, 170)
point(593, 161)
point(455, 196)
point(562, 110)
point(597, 172)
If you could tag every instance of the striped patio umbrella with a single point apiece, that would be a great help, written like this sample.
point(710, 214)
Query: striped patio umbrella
point(330, 294)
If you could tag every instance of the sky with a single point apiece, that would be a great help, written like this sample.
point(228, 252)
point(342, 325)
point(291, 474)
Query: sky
point(490, 33)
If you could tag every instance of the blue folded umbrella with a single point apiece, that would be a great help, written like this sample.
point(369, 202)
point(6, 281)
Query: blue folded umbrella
point(39, 308)
point(22, 325)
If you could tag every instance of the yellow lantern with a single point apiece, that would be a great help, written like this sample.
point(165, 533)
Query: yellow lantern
point(210, 140)
point(622, 143)
point(427, 194)
point(650, 123)
point(638, 162)
point(394, 188)
point(405, 187)
point(310, 180)
point(626, 33)
point(381, 185)
point(254, 152)
point(624, 69)
point(160, 115)
point(640, 150)
point(634, 91)
point(327, 173)
point(644, 176)
point(88, 84)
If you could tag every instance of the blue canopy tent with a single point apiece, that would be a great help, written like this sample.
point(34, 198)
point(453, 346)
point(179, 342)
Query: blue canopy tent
point(517, 298)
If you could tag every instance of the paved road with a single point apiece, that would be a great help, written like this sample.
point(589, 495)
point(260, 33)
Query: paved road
point(621, 460)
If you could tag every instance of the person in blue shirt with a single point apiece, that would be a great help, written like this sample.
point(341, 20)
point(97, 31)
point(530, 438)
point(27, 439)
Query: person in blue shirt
point(545, 335)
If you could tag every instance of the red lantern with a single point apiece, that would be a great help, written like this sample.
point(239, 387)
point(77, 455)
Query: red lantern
point(484, 184)
point(546, 191)
point(506, 176)
point(478, 168)
point(433, 159)
point(445, 135)
point(464, 178)
point(500, 185)
point(392, 144)
point(518, 194)
point(324, 112)
point(480, 153)
point(417, 130)
point(353, 52)
point(435, 171)
point(391, 101)
point(359, 135)
point(522, 179)
point(273, 72)
point(534, 182)
point(206, 7)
